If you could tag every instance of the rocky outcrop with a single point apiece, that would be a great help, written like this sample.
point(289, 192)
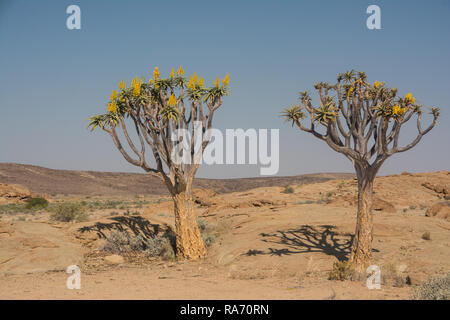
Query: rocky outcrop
point(443, 191)
point(439, 210)
point(204, 197)
point(14, 193)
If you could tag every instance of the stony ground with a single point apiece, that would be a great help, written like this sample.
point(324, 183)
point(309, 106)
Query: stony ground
point(270, 243)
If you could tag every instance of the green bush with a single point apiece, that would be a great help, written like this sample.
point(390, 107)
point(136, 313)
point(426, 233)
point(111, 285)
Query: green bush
point(426, 236)
point(288, 189)
point(36, 203)
point(67, 212)
point(437, 288)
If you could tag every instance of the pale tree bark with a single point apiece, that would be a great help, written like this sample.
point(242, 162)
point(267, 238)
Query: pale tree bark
point(361, 252)
point(189, 241)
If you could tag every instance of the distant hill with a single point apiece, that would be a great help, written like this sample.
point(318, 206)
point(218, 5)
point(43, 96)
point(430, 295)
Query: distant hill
point(70, 182)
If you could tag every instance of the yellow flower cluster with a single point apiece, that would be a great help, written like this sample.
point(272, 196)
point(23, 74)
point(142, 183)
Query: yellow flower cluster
point(171, 73)
point(194, 81)
point(113, 95)
point(180, 71)
point(397, 110)
point(172, 100)
point(122, 85)
point(410, 98)
point(112, 107)
point(350, 91)
point(156, 74)
point(378, 84)
point(136, 84)
point(225, 81)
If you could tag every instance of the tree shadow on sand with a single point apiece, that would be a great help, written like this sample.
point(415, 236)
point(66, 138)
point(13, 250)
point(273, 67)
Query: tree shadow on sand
point(308, 239)
point(136, 224)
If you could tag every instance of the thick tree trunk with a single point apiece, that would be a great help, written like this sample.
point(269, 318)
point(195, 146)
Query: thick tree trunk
point(190, 244)
point(362, 243)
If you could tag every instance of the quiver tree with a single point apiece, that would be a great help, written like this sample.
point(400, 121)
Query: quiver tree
point(362, 121)
point(156, 110)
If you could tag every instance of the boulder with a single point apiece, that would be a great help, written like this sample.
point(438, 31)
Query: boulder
point(439, 210)
point(204, 197)
point(383, 205)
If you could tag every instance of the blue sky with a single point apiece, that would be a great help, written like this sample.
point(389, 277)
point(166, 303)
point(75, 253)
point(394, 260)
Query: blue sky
point(52, 79)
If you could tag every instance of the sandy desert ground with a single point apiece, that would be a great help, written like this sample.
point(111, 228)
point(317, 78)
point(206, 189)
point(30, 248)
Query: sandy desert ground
point(269, 244)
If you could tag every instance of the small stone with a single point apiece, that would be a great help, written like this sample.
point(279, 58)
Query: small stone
point(114, 259)
point(402, 268)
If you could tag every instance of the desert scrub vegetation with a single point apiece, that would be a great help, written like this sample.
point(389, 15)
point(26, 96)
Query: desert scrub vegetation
point(436, 288)
point(104, 205)
point(325, 198)
point(390, 275)
point(12, 208)
point(32, 205)
point(306, 202)
point(342, 270)
point(121, 242)
point(68, 212)
point(36, 203)
point(206, 232)
point(362, 121)
point(119, 204)
point(288, 189)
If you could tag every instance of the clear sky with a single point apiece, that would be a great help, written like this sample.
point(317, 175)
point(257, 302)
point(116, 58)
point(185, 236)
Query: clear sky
point(52, 79)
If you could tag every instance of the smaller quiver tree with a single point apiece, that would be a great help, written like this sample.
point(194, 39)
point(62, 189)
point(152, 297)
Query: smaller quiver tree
point(362, 121)
point(157, 111)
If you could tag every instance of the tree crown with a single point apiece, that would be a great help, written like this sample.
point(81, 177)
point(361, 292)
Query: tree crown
point(361, 120)
point(157, 108)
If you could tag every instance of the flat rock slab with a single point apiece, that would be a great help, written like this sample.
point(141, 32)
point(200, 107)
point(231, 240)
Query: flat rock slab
point(29, 247)
point(114, 259)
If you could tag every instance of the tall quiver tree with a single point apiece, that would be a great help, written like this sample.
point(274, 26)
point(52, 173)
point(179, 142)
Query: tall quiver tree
point(362, 121)
point(157, 110)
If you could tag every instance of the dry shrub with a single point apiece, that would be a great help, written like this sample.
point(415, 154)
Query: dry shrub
point(436, 288)
point(67, 212)
point(120, 242)
point(426, 235)
point(342, 270)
